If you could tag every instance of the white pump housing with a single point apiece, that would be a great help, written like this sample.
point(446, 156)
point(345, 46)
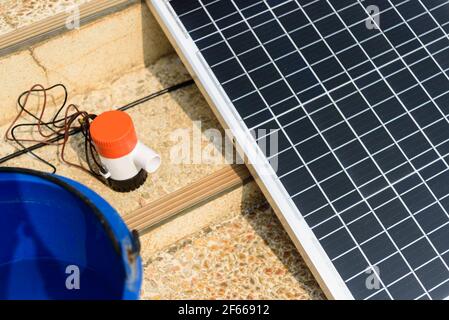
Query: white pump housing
point(128, 166)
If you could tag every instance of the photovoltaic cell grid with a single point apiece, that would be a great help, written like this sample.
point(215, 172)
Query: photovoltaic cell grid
point(361, 116)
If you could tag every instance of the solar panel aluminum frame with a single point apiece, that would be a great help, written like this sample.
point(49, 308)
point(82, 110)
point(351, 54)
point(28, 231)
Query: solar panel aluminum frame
point(306, 242)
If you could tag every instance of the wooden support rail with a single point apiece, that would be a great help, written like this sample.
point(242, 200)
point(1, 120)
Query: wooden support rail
point(187, 197)
point(48, 27)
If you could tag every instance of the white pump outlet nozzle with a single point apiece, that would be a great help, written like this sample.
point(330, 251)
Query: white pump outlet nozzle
point(146, 158)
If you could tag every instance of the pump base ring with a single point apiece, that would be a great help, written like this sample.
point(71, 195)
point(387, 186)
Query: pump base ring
point(129, 184)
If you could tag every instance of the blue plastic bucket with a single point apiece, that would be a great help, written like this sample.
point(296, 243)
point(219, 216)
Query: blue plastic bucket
point(60, 240)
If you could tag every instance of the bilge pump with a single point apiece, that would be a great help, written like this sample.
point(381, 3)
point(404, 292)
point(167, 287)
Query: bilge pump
point(127, 161)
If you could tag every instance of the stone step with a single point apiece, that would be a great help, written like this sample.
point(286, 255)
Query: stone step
point(249, 256)
point(156, 121)
point(106, 46)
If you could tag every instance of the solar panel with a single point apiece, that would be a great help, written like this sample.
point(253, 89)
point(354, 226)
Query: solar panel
point(357, 93)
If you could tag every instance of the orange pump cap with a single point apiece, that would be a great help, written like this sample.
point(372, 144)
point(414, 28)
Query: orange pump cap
point(113, 134)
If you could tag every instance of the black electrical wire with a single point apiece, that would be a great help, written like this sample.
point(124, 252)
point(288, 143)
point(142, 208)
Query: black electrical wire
point(77, 130)
point(157, 94)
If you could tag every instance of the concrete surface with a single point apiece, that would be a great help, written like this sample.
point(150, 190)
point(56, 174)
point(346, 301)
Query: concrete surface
point(84, 59)
point(5, 27)
point(154, 120)
point(19, 13)
point(247, 257)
